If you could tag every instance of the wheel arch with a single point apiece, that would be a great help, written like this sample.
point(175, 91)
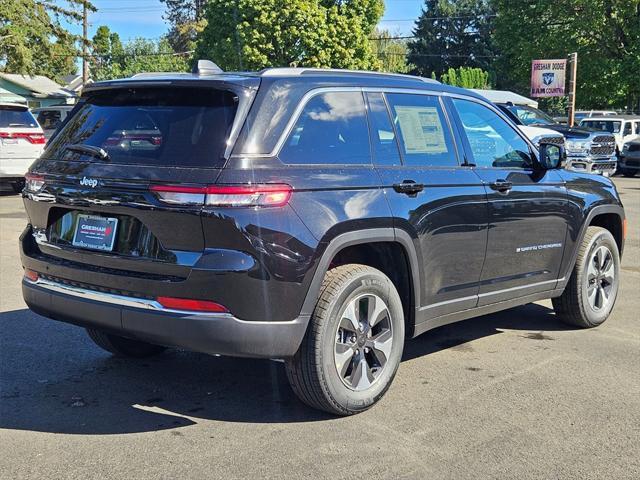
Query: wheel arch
point(610, 217)
point(353, 245)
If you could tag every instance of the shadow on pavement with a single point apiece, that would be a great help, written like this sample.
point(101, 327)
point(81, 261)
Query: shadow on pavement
point(53, 379)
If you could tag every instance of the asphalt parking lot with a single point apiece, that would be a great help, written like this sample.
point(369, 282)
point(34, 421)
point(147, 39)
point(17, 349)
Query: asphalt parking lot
point(510, 395)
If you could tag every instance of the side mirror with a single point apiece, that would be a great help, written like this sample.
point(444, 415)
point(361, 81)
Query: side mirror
point(552, 156)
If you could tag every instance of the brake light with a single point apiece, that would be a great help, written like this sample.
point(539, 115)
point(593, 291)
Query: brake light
point(33, 182)
point(31, 275)
point(35, 138)
point(269, 195)
point(189, 304)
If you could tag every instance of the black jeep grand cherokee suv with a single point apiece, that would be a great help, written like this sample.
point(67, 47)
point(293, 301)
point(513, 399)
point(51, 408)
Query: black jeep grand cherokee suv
point(316, 216)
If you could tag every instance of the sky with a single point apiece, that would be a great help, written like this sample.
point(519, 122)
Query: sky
point(143, 18)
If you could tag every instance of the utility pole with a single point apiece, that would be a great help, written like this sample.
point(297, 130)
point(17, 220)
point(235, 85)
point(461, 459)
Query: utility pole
point(573, 61)
point(85, 41)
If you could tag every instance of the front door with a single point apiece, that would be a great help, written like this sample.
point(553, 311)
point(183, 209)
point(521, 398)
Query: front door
point(439, 203)
point(527, 206)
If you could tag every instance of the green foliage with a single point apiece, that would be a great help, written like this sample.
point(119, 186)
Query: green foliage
point(106, 56)
point(254, 34)
point(392, 53)
point(605, 33)
point(32, 39)
point(453, 34)
point(466, 77)
point(186, 20)
point(111, 59)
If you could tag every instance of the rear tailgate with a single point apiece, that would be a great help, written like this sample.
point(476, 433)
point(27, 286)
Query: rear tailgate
point(94, 218)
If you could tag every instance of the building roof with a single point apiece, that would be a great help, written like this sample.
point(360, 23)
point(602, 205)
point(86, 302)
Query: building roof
point(504, 96)
point(39, 85)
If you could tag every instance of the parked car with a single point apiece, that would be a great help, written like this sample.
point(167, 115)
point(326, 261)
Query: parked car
point(587, 151)
point(582, 114)
point(322, 217)
point(50, 118)
point(629, 163)
point(624, 128)
point(21, 142)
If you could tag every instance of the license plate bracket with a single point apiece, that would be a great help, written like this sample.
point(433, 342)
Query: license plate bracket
point(95, 233)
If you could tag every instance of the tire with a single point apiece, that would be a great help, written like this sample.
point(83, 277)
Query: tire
point(124, 347)
point(628, 172)
point(333, 342)
point(591, 293)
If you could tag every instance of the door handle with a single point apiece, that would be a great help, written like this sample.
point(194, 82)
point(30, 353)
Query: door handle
point(501, 186)
point(408, 187)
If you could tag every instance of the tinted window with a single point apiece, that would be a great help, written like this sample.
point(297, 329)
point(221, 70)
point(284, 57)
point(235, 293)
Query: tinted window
point(151, 126)
point(11, 117)
point(49, 119)
point(493, 142)
point(383, 137)
point(332, 129)
point(425, 138)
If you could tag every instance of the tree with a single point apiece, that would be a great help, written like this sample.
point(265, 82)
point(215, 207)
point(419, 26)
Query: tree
point(106, 55)
point(186, 18)
point(452, 34)
point(253, 34)
point(466, 77)
point(32, 39)
point(142, 55)
point(604, 33)
point(391, 52)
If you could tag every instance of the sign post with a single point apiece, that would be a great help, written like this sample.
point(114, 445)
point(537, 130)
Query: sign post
point(573, 60)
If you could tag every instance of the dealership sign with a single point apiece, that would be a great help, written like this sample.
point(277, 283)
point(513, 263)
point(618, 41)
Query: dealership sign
point(547, 78)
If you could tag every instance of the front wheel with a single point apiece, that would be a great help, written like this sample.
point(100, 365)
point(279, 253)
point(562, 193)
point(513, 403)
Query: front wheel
point(592, 290)
point(627, 172)
point(353, 345)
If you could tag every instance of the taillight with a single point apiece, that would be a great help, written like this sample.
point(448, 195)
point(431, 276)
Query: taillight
point(33, 182)
point(35, 138)
point(269, 195)
point(189, 304)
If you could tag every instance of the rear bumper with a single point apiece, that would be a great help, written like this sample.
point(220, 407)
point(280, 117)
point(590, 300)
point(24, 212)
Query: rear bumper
point(145, 320)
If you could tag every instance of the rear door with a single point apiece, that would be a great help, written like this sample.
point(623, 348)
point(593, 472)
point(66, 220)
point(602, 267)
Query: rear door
point(527, 206)
point(440, 203)
point(124, 165)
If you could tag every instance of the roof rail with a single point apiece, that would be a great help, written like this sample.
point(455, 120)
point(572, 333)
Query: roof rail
point(291, 71)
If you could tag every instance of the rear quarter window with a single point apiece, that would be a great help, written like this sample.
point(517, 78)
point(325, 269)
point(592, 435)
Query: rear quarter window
point(184, 127)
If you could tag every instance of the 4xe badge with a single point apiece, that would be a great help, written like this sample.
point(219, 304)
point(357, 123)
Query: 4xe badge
point(89, 182)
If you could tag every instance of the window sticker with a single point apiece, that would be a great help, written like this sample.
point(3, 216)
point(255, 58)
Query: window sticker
point(421, 129)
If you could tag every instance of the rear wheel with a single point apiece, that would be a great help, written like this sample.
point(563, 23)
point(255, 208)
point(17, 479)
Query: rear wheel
point(591, 292)
point(353, 345)
point(123, 347)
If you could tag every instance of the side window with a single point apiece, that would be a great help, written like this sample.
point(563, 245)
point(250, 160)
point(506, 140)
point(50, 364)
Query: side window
point(627, 129)
point(493, 142)
point(425, 138)
point(49, 119)
point(638, 128)
point(383, 136)
point(332, 129)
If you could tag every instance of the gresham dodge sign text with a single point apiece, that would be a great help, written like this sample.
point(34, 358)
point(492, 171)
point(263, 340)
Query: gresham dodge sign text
point(548, 77)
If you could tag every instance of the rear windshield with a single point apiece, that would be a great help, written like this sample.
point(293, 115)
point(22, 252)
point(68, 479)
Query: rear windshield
point(149, 126)
point(15, 117)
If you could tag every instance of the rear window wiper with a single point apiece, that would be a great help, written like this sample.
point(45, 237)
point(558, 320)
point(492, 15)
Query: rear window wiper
point(89, 150)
